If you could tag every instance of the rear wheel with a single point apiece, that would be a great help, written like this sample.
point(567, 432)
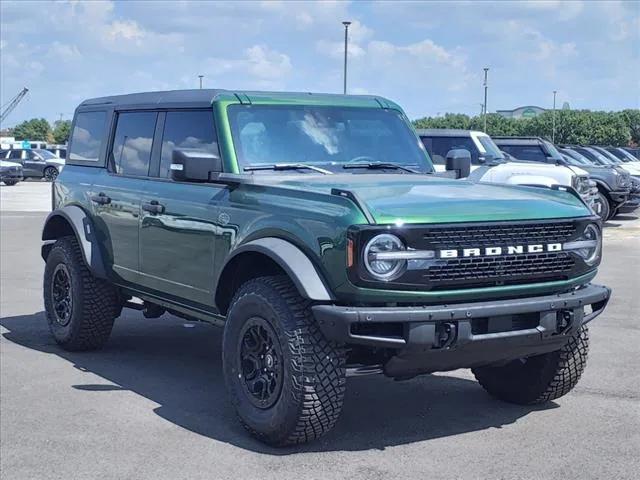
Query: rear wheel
point(605, 207)
point(538, 379)
point(285, 380)
point(10, 183)
point(50, 174)
point(80, 308)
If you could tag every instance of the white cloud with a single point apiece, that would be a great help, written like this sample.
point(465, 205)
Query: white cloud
point(63, 52)
point(265, 63)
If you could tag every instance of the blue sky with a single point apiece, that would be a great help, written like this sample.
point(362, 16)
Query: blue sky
point(428, 56)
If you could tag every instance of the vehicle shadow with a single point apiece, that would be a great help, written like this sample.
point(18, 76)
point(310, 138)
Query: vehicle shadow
point(179, 369)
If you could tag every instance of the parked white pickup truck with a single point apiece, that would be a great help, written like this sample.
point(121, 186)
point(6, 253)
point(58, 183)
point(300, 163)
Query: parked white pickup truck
point(489, 164)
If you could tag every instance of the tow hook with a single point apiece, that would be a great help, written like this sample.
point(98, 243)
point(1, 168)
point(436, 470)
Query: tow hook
point(564, 320)
point(445, 334)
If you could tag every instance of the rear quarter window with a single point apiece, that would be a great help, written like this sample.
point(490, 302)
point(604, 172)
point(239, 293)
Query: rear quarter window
point(87, 137)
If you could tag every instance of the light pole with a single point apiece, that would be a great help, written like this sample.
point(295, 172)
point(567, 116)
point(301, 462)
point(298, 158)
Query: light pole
point(200, 77)
point(346, 40)
point(486, 86)
point(553, 121)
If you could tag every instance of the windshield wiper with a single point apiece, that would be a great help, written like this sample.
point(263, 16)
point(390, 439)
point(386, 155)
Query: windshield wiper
point(379, 165)
point(286, 166)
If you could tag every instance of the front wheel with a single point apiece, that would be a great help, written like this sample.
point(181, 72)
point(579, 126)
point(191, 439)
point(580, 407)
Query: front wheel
point(538, 379)
point(50, 174)
point(10, 183)
point(285, 380)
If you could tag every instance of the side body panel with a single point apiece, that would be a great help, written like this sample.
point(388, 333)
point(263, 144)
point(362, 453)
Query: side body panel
point(178, 245)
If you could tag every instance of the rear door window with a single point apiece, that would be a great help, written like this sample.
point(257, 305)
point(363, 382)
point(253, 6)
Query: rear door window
point(131, 149)
point(187, 130)
point(87, 136)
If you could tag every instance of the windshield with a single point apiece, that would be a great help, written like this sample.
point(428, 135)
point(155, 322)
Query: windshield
point(491, 148)
point(609, 156)
point(624, 155)
point(575, 158)
point(553, 151)
point(45, 154)
point(326, 137)
point(598, 156)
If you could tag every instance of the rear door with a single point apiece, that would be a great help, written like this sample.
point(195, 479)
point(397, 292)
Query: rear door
point(117, 191)
point(179, 220)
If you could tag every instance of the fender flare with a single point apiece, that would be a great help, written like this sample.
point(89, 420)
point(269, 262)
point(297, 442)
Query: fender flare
point(83, 230)
point(601, 183)
point(293, 261)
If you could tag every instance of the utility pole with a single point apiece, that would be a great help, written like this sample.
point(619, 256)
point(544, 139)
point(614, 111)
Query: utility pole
point(346, 44)
point(486, 87)
point(200, 77)
point(553, 132)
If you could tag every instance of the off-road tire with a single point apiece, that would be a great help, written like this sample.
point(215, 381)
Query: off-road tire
point(314, 380)
point(10, 183)
point(538, 379)
point(605, 207)
point(95, 302)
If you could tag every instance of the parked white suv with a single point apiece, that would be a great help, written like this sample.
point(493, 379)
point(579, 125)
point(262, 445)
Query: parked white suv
point(489, 164)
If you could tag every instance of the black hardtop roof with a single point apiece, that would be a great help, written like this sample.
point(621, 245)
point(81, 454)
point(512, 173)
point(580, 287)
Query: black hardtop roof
point(504, 140)
point(170, 97)
point(444, 132)
point(205, 97)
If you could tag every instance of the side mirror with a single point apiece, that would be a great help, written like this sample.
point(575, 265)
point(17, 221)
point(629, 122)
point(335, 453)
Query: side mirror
point(193, 165)
point(459, 160)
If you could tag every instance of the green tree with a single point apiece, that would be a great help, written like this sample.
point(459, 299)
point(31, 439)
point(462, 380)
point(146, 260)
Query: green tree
point(37, 129)
point(61, 131)
point(572, 126)
point(631, 117)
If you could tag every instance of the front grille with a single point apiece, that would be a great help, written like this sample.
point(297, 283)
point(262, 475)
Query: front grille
point(499, 235)
point(481, 269)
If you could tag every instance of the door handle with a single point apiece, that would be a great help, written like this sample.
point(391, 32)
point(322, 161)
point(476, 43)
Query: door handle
point(101, 199)
point(153, 206)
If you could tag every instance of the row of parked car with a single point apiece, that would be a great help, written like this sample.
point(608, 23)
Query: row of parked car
point(18, 164)
point(608, 178)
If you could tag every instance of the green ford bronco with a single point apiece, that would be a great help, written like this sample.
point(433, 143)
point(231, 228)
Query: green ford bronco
point(314, 230)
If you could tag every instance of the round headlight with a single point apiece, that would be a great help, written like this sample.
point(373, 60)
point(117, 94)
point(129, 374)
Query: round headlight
point(377, 265)
point(592, 244)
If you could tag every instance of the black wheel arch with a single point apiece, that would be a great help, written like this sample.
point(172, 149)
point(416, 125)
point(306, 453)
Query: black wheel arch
point(73, 220)
point(270, 256)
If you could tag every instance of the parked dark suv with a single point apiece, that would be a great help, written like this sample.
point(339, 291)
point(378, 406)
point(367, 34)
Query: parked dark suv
point(36, 162)
point(313, 229)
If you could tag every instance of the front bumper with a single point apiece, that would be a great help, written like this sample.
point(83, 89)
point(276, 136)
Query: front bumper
point(11, 176)
point(619, 196)
point(445, 337)
point(629, 206)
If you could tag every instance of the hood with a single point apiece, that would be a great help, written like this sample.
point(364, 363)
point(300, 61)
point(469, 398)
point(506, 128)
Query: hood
point(578, 170)
point(56, 161)
point(428, 199)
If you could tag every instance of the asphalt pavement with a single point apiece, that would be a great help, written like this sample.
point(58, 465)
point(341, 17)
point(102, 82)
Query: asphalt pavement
point(152, 403)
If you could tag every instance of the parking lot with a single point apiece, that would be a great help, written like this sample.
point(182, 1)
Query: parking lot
point(152, 403)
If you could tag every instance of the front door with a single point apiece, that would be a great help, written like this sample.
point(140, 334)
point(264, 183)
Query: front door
point(117, 193)
point(34, 165)
point(179, 222)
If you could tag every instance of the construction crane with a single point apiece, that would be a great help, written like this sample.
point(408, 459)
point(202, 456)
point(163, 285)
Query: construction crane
point(8, 107)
